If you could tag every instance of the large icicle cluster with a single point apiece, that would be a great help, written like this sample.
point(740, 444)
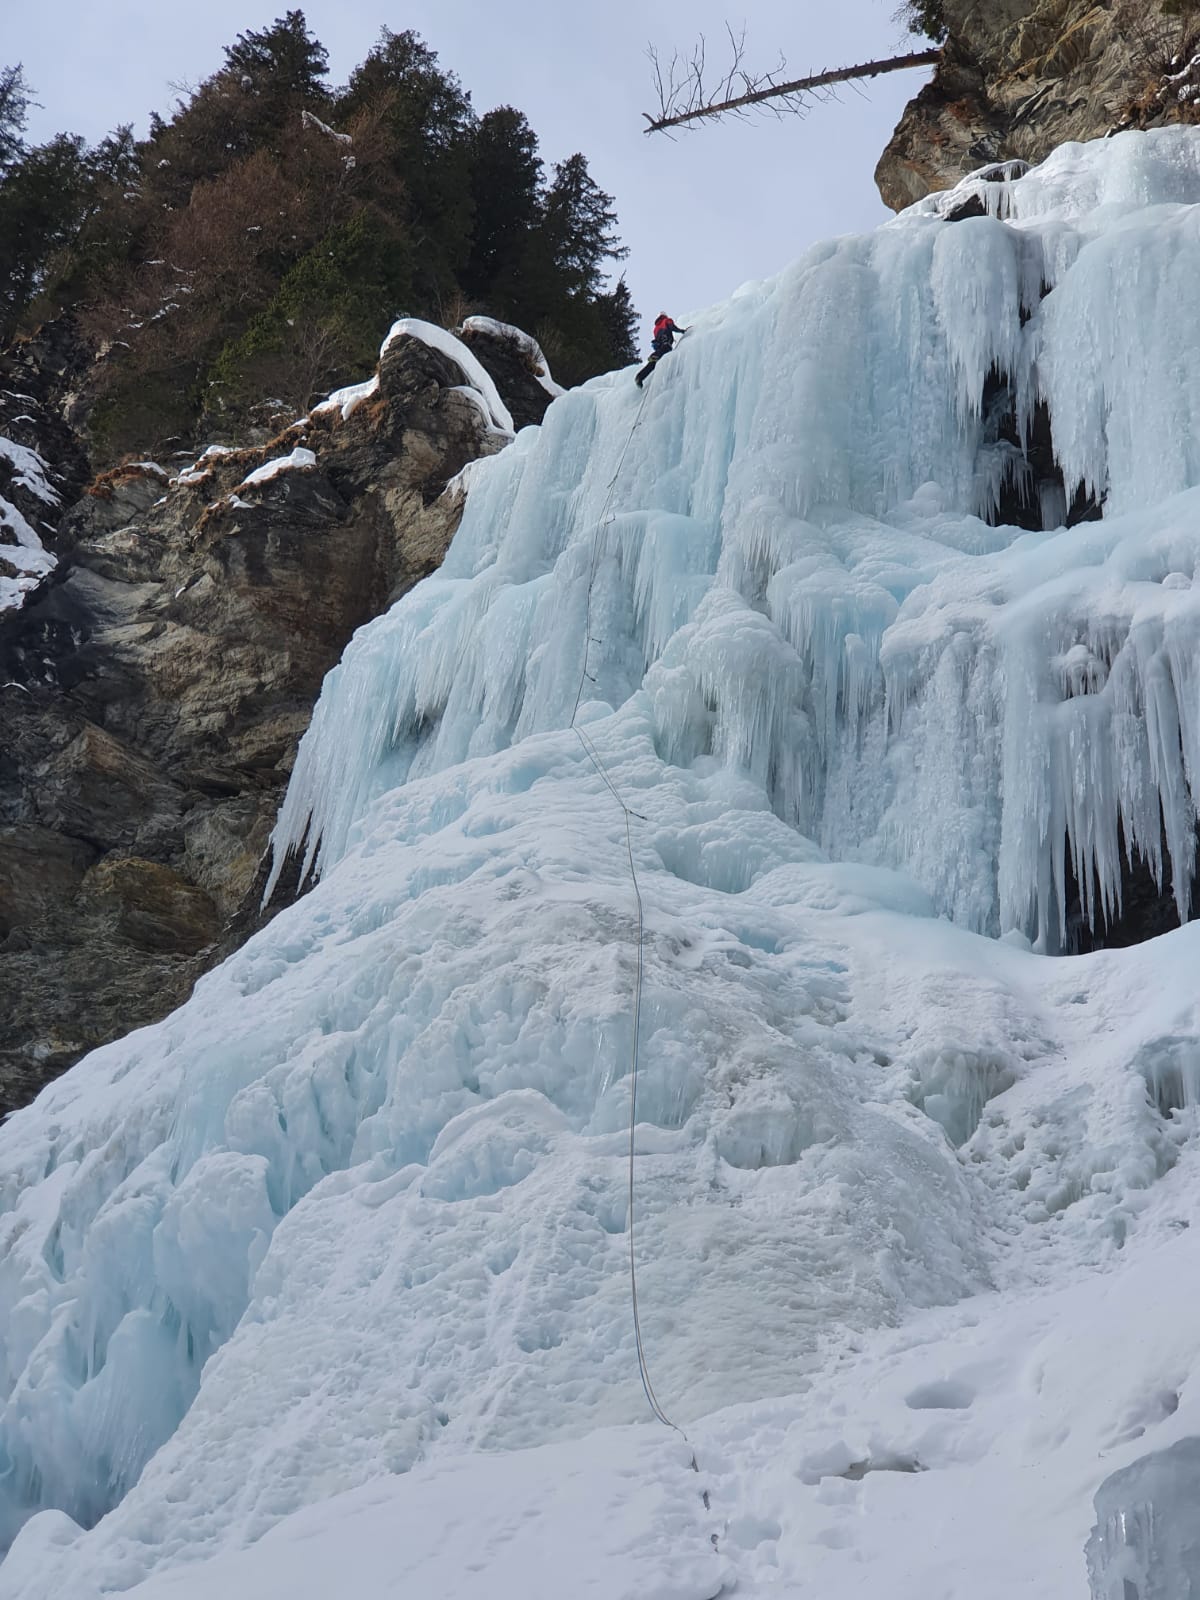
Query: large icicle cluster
point(796, 577)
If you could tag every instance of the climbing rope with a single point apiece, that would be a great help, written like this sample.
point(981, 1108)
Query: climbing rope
point(593, 755)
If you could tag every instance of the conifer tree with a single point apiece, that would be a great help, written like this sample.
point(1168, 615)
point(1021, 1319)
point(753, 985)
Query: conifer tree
point(15, 100)
point(506, 191)
point(619, 319)
point(430, 123)
point(243, 248)
point(281, 60)
point(580, 227)
point(42, 197)
point(925, 17)
point(252, 101)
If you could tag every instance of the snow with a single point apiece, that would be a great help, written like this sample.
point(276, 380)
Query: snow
point(956, 1455)
point(474, 372)
point(348, 399)
point(298, 457)
point(308, 120)
point(324, 1279)
point(524, 342)
point(622, 1520)
point(28, 557)
point(21, 547)
point(479, 386)
point(29, 470)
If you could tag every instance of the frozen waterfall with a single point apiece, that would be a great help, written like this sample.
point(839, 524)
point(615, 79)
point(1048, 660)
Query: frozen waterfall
point(355, 1216)
point(797, 580)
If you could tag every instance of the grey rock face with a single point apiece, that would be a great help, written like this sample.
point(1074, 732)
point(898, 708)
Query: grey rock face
point(156, 687)
point(511, 369)
point(1018, 77)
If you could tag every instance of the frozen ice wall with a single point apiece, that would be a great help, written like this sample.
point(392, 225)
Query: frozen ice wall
point(794, 574)
point(363, 1201)
point(1146, 1542)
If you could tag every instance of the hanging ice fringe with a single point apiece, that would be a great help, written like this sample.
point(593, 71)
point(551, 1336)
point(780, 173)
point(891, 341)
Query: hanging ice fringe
point(798, 580)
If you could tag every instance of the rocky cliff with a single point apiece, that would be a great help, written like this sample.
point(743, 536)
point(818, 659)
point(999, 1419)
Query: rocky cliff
point(156, 684)
point(1018, 77)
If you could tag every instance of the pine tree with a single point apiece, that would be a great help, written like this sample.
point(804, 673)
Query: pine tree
point(324, 325)
point(580, 226)
point(506, 190)
point(42, 198)
point(279, 61)
point(583, 328)
point(926, 17)
point(430, 125)
point(253, 101)
point(240, 247)
point(619, 318)
point(103, 232)
point(15, 100)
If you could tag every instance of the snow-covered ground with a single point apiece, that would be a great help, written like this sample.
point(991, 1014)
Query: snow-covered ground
point(321, 1285)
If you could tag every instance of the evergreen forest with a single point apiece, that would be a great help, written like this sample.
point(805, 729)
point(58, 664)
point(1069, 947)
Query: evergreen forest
point(258, 242)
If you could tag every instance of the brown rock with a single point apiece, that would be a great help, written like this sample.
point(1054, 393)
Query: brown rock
point(39, 870)
point(164, 678)
point(1019, 77)
point(513, 368)
point(98, 789)
point(150, 905)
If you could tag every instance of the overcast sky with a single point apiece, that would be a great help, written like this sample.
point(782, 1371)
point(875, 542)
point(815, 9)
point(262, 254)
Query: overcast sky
point(728, 202)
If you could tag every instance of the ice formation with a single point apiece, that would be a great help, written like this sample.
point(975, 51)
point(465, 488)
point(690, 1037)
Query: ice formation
point(797, 580)
point(1146, 1542)
point(360, 1207)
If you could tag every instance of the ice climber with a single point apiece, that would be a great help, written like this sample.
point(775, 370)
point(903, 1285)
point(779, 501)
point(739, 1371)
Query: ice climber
point(664, 341)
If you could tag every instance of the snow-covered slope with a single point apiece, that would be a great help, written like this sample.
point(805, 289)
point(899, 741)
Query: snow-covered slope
point(360, 1208)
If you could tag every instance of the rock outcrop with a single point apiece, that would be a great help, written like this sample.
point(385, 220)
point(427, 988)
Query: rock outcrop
point(156, 685)
point(1018, 77)
point(516, 365)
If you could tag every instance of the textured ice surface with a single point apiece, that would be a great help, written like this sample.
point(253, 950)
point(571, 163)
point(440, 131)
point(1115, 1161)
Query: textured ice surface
point(794, 579)
point(1146, 1542)
point(359, 1208)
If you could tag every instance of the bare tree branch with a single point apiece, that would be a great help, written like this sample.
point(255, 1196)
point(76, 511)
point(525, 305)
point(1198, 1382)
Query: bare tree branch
point(684, 96)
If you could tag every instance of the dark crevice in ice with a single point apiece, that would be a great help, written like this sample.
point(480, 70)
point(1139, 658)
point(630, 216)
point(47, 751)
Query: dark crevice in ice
point(1033, 493)
point(1147, 908)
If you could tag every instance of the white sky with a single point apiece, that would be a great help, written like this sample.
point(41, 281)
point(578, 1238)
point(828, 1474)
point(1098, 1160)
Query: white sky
point(725, 203)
